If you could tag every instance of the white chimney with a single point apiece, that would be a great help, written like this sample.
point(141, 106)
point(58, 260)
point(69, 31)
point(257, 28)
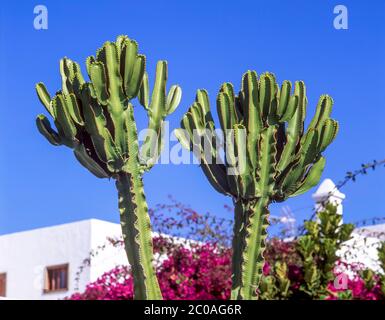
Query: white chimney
point(327, 192)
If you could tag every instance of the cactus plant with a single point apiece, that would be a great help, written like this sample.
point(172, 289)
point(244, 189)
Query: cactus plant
point(270, 155)
point(96, 120)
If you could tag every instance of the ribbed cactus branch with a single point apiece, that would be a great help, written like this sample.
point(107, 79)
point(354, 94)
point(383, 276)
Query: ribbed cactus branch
point(159, 107)
point(265, 145)
point(96, 120)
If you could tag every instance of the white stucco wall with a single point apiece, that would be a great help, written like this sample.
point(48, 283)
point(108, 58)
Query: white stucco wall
point(25, 255)
point(111, 256)
point(362, 248)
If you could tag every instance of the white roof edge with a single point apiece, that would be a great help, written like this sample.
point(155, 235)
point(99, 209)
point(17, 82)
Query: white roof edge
point(90, 220)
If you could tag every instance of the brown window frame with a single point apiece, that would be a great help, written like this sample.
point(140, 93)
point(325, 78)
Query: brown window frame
point(4, 276)
point(47, 280)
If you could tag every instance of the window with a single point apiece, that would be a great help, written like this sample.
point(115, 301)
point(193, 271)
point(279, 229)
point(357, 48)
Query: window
point(56, 278)
point(3, 284)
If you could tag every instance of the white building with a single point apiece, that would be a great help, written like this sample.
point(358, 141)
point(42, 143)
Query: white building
point(43, 263)
point(362, 248)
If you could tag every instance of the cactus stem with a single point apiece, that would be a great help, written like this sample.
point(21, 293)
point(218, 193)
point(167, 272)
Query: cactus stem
point(251, 221)
point(135, 223)
point(238, 246)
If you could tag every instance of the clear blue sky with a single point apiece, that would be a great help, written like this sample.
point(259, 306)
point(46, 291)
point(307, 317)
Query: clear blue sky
point(206, 43)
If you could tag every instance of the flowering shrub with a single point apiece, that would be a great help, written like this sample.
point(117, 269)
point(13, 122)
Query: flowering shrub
point(199, 266)
point(116, 284)
point(202, 272)
point(356, 289)
point(199, 273)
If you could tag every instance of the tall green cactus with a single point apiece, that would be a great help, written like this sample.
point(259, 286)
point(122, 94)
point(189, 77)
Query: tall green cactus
point(96, 120)
point(275, 158)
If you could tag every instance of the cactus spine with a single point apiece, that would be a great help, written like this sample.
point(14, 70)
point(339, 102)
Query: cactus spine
point(96, 120)
point(266, 139)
